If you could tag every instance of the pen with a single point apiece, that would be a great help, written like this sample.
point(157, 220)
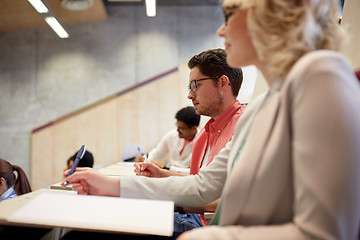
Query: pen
point(146, 157)
point(78, 157)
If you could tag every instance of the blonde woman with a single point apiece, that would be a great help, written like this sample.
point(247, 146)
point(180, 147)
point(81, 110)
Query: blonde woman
point(297, 174)
point(291, 170)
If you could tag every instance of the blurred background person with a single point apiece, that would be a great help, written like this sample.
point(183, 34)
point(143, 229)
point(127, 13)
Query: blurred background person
point(86, 161)
point(12, 185)
point(177, 143)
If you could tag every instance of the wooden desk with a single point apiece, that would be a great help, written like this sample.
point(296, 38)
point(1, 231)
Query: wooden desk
point(119, 169)
point(49, 208)
point(9, 207)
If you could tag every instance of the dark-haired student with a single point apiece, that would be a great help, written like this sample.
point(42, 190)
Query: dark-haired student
point(12, 185)
point(86, 161)
point(177, 143)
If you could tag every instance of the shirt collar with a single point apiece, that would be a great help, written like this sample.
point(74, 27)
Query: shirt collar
point(219, 124)
point(8, 193)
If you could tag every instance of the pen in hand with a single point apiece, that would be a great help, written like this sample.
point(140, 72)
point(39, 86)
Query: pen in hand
point(78, 157)
point(146, 157)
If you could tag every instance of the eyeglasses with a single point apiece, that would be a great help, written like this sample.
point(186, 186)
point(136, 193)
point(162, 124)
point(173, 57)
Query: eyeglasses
point(180, 129)
point(193, 84)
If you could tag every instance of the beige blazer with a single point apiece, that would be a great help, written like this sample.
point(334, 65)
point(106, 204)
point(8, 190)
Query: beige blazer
point(297, 176)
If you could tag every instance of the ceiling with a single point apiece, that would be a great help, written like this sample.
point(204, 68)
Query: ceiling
point(19, 14)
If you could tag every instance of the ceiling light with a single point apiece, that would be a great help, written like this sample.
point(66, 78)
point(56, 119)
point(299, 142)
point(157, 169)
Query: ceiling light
point(77, 5)
point(39, 6)
point(56, 26)
point(150, 8)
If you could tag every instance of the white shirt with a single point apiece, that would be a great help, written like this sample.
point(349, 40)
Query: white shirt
point(172, 144)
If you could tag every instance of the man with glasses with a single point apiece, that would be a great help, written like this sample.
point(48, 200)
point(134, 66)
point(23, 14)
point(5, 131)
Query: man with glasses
point(177, 143)
point(213, 89)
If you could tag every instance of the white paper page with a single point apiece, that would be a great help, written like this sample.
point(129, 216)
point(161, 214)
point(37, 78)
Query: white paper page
point(132, 150)
point(100, 213)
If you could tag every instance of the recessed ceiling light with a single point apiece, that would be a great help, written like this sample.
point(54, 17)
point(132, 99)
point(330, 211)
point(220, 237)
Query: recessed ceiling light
point(77, 5)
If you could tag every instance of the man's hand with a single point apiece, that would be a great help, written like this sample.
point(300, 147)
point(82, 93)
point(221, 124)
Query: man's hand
point(184, 236)
point(149, 169)
point(210, 207)
point(139, 158)
point(91, 182)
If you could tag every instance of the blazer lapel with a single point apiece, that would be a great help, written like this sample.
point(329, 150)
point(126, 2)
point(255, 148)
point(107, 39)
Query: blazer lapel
point(236, 193)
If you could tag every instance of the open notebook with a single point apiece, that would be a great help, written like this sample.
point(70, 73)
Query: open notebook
point(97, 213)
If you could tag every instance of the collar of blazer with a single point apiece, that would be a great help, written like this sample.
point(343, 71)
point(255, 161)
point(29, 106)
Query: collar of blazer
point(260, 126)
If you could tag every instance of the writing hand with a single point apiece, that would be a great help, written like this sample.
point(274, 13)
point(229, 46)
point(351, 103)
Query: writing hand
point(149, 170)
point(91, 182)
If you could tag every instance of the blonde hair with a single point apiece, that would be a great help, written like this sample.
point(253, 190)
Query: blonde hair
point(284, 30)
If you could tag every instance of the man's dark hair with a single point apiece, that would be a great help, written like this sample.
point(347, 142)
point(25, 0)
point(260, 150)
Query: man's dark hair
point(188, 116)
point(86, 161)
point(212, 63)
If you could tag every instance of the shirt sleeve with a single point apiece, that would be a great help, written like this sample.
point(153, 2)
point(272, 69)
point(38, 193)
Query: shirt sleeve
point(161, 149)
point(192, 190)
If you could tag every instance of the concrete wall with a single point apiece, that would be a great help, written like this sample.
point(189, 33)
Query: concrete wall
point(43, 77)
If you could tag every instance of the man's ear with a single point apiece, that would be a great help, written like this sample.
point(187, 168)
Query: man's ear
point(224, 81)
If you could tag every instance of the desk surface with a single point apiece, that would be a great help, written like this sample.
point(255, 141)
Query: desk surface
point(50, 208)
point(119, 169)
point(9, 207)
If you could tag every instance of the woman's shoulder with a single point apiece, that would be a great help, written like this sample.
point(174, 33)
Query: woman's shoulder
point(319, 61)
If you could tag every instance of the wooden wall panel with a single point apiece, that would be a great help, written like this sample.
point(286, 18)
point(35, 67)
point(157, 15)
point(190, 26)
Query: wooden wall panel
point(85, 132)
point(41, 158)
point(128, 120)
point(142, 115)
point(64, 146)
point(149, 120)
point(106, 132)
point(168, 103)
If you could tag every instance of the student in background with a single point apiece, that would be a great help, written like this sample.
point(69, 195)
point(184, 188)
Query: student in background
point(86, 161)
point(177, 142)
point(10, 185)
